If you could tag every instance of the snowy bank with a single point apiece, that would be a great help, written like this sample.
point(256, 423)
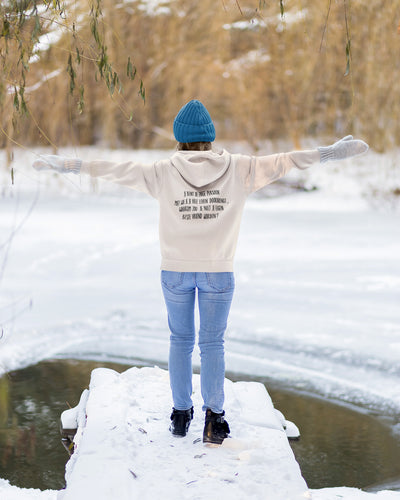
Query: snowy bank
point(9, 492)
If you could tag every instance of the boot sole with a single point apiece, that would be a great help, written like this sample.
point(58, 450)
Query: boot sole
point(208, 440)
point(177, 434)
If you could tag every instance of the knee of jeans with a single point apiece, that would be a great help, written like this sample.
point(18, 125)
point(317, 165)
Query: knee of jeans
point(187, 340)
point(210, 348)
point(211, 339)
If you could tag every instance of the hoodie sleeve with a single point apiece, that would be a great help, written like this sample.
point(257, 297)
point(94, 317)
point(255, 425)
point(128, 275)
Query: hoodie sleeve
point(145, 178)
point(264, 170)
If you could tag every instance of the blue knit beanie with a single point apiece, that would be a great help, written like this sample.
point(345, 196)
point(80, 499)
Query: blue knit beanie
point(193, 124)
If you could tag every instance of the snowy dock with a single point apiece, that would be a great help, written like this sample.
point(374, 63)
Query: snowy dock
point(123, 449)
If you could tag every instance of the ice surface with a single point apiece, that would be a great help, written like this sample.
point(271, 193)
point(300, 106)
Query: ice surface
point(317, 295)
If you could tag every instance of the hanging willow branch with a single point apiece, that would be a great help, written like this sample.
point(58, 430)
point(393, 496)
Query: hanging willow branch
point(348, 41)
point(348, 37)
point(24, 22)
point(282, 8)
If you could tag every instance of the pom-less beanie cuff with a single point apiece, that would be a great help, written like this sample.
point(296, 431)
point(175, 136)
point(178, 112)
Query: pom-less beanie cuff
point(194, 133)
point(193, 124)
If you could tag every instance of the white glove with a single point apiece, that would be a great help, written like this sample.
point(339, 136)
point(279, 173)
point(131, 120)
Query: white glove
point(345, 148)
point(58, 163)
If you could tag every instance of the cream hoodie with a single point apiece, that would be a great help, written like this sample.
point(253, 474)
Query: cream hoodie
point(201, 195)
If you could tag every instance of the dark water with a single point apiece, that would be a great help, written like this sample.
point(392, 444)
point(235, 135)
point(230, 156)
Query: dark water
point(338, 446)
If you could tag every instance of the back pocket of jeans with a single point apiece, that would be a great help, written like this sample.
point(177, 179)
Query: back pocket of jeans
point(171, 279)
point(221, 282)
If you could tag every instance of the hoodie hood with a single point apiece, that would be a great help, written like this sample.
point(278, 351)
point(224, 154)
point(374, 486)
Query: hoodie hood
point(201, 168)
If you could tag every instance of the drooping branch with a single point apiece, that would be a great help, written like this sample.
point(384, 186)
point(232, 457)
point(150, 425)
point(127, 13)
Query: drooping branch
point(24, 26)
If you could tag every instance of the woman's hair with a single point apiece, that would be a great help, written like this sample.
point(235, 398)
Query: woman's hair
point(193, 146)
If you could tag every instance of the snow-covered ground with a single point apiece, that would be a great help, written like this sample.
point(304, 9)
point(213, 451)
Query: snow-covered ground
point(317, 304)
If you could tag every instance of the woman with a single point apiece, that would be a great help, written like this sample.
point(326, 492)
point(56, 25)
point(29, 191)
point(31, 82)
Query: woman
point(201, 194)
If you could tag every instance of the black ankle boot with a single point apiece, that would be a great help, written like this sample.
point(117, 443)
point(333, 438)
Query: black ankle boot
point(180, 421)
point(216, 428)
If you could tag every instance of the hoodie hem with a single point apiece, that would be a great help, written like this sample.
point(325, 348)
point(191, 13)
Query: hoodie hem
point(196, 266)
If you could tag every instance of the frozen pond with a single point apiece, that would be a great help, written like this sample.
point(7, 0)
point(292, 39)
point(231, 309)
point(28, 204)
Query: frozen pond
point(316, 303)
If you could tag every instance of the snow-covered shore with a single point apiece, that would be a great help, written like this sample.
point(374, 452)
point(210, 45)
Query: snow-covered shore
point(318, 281)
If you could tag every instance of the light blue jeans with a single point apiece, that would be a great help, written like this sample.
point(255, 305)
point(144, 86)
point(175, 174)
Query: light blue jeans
point(215, 291)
